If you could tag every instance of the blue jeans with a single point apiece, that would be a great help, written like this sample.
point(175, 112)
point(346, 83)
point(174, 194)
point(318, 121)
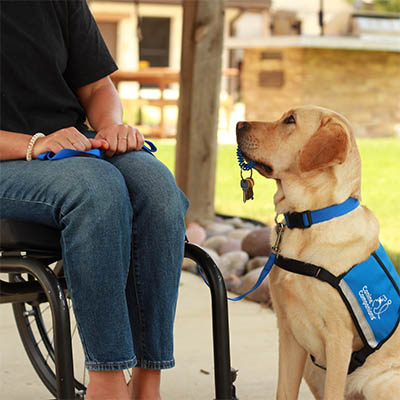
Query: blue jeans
point(122, 237)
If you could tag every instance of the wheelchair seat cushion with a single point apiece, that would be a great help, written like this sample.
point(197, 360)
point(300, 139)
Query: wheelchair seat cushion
point(21, 235)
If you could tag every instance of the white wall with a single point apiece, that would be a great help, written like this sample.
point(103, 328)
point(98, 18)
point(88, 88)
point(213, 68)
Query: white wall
point(307, 11)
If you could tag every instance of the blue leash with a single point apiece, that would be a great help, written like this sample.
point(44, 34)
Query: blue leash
point(264, 273)
point(97, 153)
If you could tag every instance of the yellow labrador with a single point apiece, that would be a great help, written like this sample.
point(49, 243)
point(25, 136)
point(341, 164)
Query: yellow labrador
point(312, 154)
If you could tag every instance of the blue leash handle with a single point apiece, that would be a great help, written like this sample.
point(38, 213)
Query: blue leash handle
point(98, 153)
point(66, 153)
point(264, 273)
point(151, 149)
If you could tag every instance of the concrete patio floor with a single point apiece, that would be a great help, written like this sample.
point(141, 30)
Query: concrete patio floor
point(254, 345)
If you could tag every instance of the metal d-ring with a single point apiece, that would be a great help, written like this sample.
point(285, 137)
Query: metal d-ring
point(276, 219)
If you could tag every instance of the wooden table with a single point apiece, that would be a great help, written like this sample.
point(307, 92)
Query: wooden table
point(159, 76)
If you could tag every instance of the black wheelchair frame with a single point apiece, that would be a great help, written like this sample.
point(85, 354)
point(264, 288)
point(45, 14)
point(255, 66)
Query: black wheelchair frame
point(26, 252)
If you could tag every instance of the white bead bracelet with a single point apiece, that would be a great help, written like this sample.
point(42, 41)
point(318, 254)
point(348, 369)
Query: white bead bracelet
point(32, 142)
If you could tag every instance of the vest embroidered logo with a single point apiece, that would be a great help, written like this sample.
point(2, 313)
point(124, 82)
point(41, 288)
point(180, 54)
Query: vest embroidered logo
point(374, 307)
point(380, 305)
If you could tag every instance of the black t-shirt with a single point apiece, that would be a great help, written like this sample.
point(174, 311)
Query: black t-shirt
point(48, 49)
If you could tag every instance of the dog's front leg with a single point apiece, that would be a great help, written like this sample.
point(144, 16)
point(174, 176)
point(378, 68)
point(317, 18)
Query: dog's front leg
point(292, 358)
point(338, 353)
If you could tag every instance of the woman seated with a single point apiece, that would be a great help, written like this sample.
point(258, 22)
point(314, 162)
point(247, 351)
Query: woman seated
point(121, 217)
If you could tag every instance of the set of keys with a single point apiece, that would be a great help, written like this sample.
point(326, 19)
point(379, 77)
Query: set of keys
point(247, 186)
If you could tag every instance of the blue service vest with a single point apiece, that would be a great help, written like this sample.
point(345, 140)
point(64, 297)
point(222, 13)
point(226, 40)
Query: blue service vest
point(371, 292)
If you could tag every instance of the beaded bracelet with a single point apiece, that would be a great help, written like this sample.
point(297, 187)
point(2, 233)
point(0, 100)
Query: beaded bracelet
point(32, 142)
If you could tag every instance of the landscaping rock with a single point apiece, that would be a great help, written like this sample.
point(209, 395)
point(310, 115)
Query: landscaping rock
point(256, 262)
point(215, 242)
point(214, 255)
point(240, 250)
point(243, 284)
point(217, 228)
point(196, 233)
point(230, 245)
point(189, 265)
point(233, 284)
point(240, 233)
point(249, 225)
point(257, 242)
point(235, 222)
point(234, 263)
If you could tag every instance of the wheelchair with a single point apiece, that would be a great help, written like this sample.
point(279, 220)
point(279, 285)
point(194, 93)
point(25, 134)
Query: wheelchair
point(31, 256)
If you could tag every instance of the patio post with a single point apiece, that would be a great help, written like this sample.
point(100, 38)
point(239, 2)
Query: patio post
point(200, 79)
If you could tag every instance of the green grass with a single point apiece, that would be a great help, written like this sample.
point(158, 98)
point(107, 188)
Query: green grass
point(380, 187)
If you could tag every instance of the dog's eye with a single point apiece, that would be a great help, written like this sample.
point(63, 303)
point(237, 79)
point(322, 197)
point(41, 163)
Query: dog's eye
point(289, 120)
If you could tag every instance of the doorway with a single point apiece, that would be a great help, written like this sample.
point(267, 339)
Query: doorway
point(154, 46)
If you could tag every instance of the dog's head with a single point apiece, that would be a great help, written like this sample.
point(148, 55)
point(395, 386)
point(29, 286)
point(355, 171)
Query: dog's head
point(307, 148)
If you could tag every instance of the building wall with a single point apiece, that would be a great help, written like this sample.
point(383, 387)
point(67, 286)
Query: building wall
point(362, 85)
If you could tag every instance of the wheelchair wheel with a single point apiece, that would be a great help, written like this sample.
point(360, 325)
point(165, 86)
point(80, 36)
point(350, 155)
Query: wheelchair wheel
point(35, 326)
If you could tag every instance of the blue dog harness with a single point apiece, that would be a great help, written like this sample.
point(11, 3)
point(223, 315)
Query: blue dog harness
point(370, 289)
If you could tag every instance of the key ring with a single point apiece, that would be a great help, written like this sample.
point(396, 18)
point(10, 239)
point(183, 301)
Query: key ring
point(249, 177)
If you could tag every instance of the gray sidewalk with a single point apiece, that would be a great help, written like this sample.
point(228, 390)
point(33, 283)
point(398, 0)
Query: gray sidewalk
point(254, 345)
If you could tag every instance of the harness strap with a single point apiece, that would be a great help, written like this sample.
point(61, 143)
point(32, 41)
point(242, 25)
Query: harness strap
point(357, 359)
point(305, 219)
point(302, 268)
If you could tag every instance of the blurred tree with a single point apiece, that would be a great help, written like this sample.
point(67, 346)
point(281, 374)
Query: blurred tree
point(378, 5)
point(387, 5)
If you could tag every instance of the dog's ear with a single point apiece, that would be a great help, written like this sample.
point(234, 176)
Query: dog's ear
point(328, 146)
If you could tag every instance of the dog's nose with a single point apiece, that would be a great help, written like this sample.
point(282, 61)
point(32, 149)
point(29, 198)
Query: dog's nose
point(243, 126)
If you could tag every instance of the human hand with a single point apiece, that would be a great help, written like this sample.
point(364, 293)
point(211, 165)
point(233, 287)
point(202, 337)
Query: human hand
point(121, 138)
point(66, 138)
